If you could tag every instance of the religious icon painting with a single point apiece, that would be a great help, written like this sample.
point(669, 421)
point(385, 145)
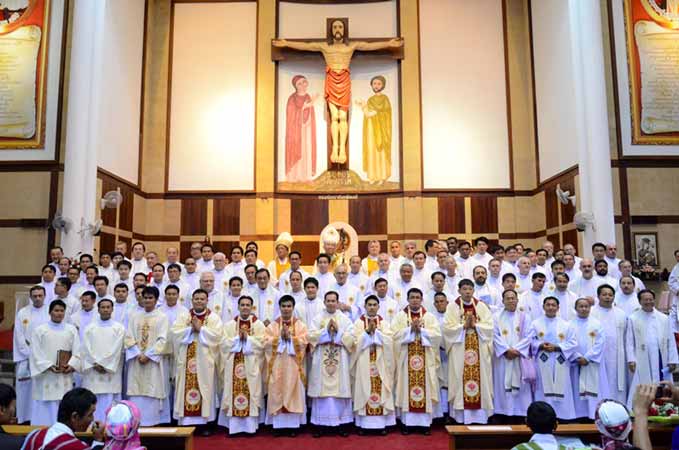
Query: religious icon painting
point(649, 33)
point(24, 32)
point(306, 159)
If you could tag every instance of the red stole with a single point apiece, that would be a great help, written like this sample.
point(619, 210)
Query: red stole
point(193, 400)
point(471, 373)
point(240, 390)
point(417, 363)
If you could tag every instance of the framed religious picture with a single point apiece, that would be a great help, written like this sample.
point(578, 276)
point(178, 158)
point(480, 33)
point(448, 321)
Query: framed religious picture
point(652, 47)
point(646, 249)
point(24, 34)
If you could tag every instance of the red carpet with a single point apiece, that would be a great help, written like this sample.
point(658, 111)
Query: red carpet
point(393, 441)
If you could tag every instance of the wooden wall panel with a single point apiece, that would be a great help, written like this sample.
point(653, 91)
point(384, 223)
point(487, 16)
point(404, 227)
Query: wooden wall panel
point(107, 242)
point(224, 247)
point(568, 211)
point(309, 251)
point(184, 250)
point(451, 215)
point(363, 247)
point(308, 216)
point(554, 238)
point(551, 207)
point(571, 237)
point(194, 216)
point(368, 215)
point(484, 214)
point(108, 215)
point(226, 216)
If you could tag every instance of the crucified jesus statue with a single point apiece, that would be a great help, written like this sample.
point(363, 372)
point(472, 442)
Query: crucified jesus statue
point(337, 52)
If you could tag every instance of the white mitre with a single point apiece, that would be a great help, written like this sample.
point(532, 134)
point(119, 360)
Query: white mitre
point(284, 239)
point(330, 236)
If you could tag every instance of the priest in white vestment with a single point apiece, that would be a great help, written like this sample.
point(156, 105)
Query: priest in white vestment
point(172, 308)
point(404, 284)
point(553, 343)
point(312, 304)
point(350, 297)
point(27, 319)
point(215, 297)
point(614, 323)
point(530, 301)
point(438, 284)
point(242, 353)
point(323, 274)
point(439, 307)
point(265, 297)
point(523, 275)
point(356, 277)
point(55, 356)
point(295, 259)
point(512, 395)
point(372, 364)
point(102, 361)
point(196, 336)
point(468, 332)
point(417, 338)
point(145, 345)
point(384, 270)
point(566, 297)
point(331, 341)
point(483, 291)
point(388, 306)
point(651, 348)
point(626, 296)
point(588, 367)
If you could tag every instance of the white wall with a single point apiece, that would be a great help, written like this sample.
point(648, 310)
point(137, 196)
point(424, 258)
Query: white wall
point(464, 100)
point(303, 20)
point(554, 87)
point(120, 102)
point(52, 93)
point(212, 115)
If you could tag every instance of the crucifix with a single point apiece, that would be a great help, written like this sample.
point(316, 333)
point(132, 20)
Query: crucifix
point(337, 50)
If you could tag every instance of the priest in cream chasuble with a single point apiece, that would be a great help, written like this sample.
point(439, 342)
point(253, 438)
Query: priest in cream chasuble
point(468, 331)
point(242, 352)
point(197, 335)
point(417, 337)
point(372, 364)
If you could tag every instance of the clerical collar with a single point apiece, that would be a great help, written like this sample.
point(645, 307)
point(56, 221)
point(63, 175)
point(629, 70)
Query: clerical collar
point(311, 299)
point(467, 302)
point(108, 322)
point(56, 325)
point(202, 313)
point(248, 318)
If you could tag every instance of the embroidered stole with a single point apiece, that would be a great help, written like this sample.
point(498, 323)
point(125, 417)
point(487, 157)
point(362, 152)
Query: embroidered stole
point(510, 329)
point(553, 377)
point(471, 372)
point(193, 401)
point(417, 385)
point(373, 406)
point(240, 391)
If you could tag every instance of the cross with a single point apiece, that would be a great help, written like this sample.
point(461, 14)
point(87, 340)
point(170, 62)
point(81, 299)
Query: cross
point(337, 51)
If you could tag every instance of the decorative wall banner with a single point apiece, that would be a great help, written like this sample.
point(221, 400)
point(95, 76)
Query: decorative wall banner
point(24, 43)
point(652, 40)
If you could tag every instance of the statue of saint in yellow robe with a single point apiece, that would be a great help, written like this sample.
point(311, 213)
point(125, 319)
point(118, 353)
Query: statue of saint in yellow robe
point(377, 134)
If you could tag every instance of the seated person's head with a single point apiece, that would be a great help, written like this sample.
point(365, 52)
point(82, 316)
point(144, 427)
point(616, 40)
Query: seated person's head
point(76, 409)
point(8, 402)
point(541, 418)
point(122, 426)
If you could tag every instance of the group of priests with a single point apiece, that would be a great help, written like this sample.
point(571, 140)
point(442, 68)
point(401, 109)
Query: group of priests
point(456, 332)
